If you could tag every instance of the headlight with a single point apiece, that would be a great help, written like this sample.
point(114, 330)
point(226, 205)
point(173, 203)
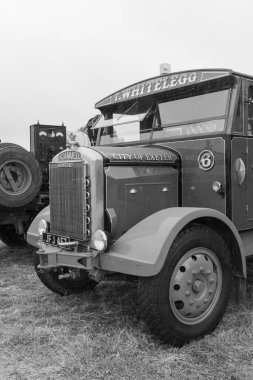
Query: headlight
point(100, 240)
point(42, 227)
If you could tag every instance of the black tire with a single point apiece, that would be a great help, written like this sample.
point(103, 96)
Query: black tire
point(67, 286)
point(4, 145)
point(20, 176)
point(189, 296)
point(9, 236)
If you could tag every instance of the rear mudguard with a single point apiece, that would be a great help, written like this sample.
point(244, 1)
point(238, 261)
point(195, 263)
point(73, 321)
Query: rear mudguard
point(142, 250)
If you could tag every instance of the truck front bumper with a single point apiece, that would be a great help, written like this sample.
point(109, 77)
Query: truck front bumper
point(53, 257)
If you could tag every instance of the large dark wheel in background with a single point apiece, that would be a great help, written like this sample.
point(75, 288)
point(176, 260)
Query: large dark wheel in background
point(188, 298)
point(20, 176)
point(79, 283)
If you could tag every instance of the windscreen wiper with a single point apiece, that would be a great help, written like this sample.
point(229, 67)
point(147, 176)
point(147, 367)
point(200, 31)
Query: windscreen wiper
point(128, 109)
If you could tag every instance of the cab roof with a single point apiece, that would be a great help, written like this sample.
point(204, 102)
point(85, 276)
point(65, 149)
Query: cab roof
point(164, 83)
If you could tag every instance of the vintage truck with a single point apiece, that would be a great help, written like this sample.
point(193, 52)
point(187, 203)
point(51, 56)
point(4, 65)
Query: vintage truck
point(24, 180)
point(165, 198)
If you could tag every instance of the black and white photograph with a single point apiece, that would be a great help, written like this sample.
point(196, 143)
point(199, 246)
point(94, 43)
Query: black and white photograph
point(126, 190)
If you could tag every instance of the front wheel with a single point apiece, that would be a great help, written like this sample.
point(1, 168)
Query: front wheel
point(64, 281)
point(188, 298)
point(10, 237)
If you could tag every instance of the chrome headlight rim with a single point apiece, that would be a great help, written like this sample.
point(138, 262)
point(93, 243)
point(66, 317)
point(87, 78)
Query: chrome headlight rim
point(42, 226)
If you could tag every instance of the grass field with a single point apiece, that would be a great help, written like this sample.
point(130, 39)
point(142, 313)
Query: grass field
point(97, 335)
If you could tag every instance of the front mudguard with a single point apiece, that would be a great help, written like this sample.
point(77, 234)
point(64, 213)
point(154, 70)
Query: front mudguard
point(32, 235)
point(142, 250)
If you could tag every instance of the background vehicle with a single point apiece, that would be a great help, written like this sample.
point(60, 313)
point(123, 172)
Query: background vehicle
point(164, 196)
point(24, 180)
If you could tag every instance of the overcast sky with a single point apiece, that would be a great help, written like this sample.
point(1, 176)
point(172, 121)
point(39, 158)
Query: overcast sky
point(59, 57)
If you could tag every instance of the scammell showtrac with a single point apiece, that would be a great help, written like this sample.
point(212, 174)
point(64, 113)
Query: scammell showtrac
point(165, 198)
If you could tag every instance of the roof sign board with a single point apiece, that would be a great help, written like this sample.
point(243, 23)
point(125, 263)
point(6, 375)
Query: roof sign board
point(160, 84)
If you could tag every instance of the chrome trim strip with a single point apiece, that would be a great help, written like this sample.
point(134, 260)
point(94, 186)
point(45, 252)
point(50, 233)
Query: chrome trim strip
point(95, 173)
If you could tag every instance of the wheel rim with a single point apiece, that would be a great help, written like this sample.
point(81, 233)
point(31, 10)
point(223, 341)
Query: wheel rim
point(15, 177)
point(195, 286)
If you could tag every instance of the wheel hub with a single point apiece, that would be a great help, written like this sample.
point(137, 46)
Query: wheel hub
point(198, 286)
point(15, 177)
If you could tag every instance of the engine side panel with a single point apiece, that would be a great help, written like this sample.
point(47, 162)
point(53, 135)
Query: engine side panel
point(135, 192)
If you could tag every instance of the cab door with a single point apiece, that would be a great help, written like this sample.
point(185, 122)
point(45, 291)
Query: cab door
point(249, 170)
point(237, 184)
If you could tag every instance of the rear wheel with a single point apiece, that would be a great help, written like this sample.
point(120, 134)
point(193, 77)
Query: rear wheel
point(63, 280)
point(188, 298)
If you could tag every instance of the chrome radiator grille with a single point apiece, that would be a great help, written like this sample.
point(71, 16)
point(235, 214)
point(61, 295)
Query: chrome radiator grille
point(67, 199)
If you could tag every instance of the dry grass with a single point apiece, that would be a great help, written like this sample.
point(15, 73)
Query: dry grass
point(97, 335)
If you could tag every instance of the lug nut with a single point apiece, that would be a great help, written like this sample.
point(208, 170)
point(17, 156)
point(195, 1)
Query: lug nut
point(191, 302)
point(187, 293)
point(194, 272)
point(208, 271)
point(201, 269)
point(189, 282)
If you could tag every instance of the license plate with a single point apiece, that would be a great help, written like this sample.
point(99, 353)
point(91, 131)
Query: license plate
point(53, 239)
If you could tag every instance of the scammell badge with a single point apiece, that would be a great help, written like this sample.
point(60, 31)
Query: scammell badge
point(206, 160)
point(69, 155)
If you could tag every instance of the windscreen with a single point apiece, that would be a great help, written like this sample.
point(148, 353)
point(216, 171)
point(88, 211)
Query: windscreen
point(126, 123)
point(196, 115)
point(173, 117)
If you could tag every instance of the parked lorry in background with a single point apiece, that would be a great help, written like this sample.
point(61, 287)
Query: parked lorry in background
point(164, 197)
point(24, 180)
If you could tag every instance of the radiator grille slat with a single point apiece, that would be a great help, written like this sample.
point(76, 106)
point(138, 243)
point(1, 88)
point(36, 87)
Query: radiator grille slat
point(67, 199)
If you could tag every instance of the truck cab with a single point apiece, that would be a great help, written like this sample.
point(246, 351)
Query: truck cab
point(164, 197)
